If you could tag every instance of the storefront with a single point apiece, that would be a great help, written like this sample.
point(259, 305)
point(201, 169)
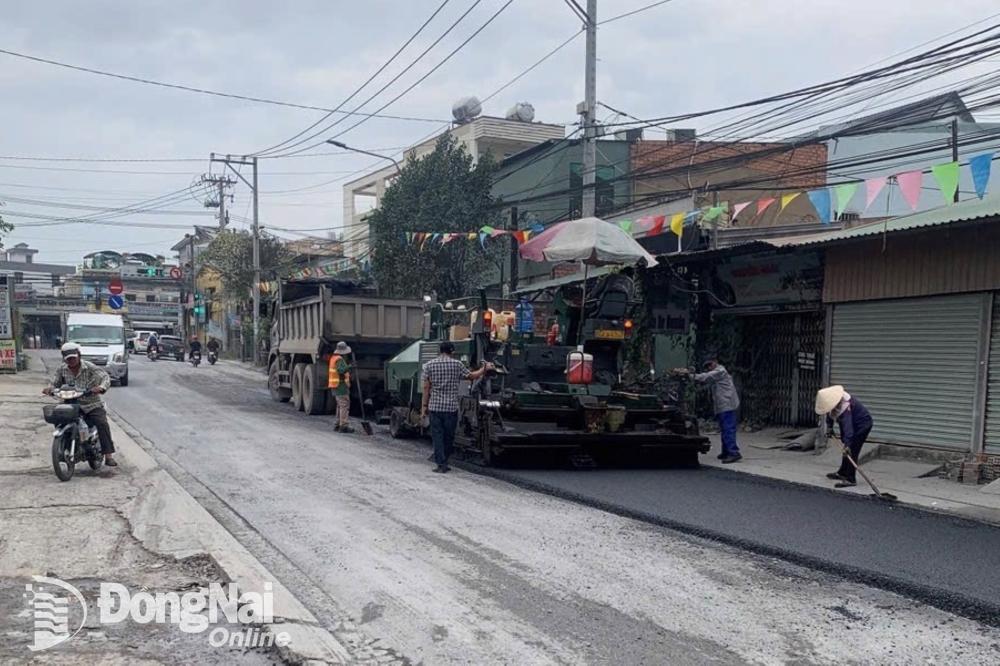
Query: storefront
point(914, 321)
point(768, 325)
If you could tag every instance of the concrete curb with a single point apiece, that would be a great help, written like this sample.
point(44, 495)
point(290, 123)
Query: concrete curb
point(166, 519)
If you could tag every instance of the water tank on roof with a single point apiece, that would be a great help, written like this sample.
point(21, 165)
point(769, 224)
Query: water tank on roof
point(522, 111)
point(466, 109)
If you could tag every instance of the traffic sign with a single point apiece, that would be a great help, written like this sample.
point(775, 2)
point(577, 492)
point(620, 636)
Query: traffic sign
point(116, 302)
point(116, 286)
point(175, 273)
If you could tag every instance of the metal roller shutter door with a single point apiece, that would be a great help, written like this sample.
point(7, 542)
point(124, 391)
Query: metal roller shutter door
point(913, 363)
point(992, 434)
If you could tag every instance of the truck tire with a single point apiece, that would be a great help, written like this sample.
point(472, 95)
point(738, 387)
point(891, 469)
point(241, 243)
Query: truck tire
point(313, 391)
point(297, 386)
point(124, 380)
point(331, 403)
point(278, 394)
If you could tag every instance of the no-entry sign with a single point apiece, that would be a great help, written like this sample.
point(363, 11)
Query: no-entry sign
point(175, 273)
point(115, 286)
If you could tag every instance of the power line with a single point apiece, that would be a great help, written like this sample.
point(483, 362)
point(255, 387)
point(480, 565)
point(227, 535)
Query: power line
point(421, 79)
point(205, 91)
point(371, 78)
point(633, 12)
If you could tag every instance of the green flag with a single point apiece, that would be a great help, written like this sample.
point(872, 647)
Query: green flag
point(844, 193)
point(946, 176)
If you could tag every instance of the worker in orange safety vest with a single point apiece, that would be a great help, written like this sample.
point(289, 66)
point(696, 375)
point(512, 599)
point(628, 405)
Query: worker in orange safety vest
point(339, 382)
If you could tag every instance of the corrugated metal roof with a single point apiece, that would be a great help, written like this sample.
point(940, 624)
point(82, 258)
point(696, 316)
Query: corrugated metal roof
point(592, 272)
point(965, 211)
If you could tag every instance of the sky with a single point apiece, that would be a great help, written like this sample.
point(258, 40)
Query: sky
point(681, 56)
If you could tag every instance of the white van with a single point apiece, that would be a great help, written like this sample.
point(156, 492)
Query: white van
point(102, 341)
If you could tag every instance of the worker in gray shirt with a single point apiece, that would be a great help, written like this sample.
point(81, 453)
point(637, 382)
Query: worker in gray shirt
point(726, 402)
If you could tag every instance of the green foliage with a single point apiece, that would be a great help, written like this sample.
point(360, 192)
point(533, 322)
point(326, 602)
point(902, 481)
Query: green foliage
point(5, 228)
point(440, 192)
point(231, 254)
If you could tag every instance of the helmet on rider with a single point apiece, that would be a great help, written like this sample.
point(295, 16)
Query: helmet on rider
point(71, 354)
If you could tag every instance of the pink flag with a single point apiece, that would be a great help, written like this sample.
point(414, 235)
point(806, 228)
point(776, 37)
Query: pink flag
point(872, 187)
point(738, 208)
point(762, 204)
point(910, 183)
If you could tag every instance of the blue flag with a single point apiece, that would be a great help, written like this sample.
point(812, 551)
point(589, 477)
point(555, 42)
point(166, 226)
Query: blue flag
point(821, 202)
point(980, 166)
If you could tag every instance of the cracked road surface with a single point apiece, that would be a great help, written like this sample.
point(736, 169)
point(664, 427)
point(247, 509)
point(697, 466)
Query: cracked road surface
point(461, 568)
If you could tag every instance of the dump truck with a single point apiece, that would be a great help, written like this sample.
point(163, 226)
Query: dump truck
point(309, 317)
point(555, 392)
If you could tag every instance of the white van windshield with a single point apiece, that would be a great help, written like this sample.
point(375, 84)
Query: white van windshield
point(91, 334)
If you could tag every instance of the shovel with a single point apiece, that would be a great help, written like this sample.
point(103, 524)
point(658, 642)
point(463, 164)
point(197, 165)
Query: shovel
point(888, 497)
point(365, 425)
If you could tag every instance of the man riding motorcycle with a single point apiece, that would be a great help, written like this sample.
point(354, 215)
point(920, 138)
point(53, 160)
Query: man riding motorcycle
point(86, 377)
point(152, 344)
point(195, 345)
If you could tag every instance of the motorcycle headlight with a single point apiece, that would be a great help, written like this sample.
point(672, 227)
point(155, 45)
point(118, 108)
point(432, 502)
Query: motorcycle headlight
point(118, 358)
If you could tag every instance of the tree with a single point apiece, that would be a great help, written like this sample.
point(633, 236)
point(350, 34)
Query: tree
point(231, 254)
point(440, 192)
point(5, 227)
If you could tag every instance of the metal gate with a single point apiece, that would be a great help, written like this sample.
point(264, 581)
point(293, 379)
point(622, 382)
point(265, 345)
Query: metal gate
point(991, 438)
point(777, 369)
point(913, 363)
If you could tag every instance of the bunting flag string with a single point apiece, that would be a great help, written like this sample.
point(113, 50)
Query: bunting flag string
point(829, 203)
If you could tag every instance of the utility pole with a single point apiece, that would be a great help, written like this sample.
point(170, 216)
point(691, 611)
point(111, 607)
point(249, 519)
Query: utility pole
point(221, 182)
point(229, 161)
point(256, 265)
point(513, 250)
point(954, 147)
point(587, 111)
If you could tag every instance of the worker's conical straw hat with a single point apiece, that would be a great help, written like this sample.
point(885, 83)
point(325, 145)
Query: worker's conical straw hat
point(828, 398)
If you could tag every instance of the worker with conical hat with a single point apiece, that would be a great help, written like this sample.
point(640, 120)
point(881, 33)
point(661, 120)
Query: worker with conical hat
point(855, 423)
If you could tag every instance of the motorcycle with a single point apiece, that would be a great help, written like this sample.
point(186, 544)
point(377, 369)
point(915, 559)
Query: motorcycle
point(153, 353)
point(195, 358)
point(212, 357)
point(73, 441)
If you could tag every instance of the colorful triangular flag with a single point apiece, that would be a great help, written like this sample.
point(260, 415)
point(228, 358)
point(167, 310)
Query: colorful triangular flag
point(763, 204)
point(872, 188)
point(910, 183)
point(677, 223)
point(738, 208)
point(788, 198)
point(844, 193)
point(946, 176)
point(712, 213)
point(820, 200)
point(657, 225)
point(980, 166)
point(625, 225)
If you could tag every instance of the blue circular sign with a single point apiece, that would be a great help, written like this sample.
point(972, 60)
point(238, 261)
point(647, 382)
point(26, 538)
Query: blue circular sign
point(115, 302)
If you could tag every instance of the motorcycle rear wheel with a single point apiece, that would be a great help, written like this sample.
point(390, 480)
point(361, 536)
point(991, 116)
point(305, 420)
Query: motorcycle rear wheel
point(60, 446)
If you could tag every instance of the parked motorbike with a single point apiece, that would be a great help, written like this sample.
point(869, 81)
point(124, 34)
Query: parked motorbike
point(195, 358)
point(73, 441)
point(212, 357)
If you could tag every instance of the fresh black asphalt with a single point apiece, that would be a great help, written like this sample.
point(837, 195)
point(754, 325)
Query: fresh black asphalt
point(949, 562)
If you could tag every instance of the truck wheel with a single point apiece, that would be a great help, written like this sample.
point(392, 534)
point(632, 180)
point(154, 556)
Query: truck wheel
point(330, 403)
point(124, 380)
point(313, 398)
point(297, 386)
point(278, 394)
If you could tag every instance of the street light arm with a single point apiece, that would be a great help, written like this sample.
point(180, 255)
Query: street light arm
point(344, 146)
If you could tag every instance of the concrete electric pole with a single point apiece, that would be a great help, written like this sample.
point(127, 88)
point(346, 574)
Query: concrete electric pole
point(587, 111)
point(221, 182)
point(229, 161)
